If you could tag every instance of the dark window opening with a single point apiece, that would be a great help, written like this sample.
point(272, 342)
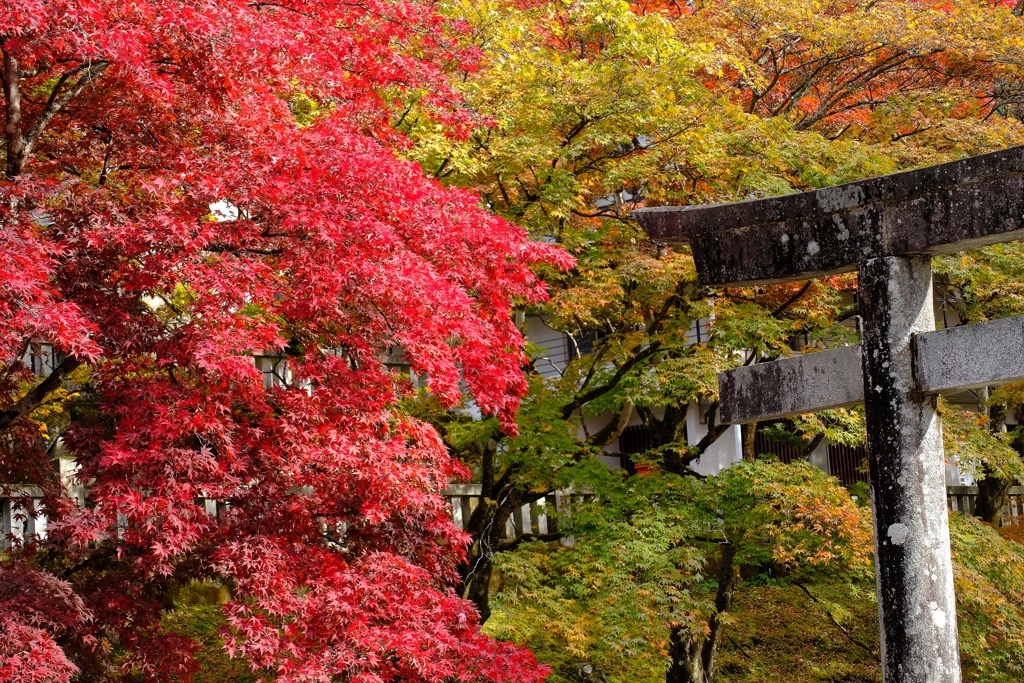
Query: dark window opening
point(633, 440)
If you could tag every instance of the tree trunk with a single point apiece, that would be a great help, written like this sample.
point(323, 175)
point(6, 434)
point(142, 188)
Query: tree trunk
point(749, 447)
point(476, 578)
point(486, 526)
point(685, 653)
point(694, 659)
point(668, 430)
point(812, 446)
point(992, 495)
point(477, 588)
point(12, 109)
point(992, 490)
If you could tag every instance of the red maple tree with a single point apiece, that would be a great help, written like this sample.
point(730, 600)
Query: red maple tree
point(126, 121)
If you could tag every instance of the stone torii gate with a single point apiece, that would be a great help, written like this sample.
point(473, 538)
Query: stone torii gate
point(887, 229)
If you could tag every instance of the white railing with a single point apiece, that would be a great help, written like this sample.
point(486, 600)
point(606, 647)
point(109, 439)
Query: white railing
point(529, 519)
point(963, 498)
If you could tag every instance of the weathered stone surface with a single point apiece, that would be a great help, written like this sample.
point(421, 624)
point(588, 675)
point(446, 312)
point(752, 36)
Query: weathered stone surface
point(970, 356)
point(935, 210)
point(913, 568)
point(791, 386)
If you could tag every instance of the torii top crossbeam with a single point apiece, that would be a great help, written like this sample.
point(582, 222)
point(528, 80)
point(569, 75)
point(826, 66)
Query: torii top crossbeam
point(936, 210)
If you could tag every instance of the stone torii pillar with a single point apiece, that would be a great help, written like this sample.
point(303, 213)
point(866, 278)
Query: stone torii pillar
point(887, 229)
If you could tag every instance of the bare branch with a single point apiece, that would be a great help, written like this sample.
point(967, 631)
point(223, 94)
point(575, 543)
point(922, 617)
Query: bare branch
point(59, 100)
point(229, 249)
point(12, 101)
point(871, 651)
point(39, 393)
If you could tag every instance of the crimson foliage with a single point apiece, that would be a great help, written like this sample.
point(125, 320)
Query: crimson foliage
point(126, 121)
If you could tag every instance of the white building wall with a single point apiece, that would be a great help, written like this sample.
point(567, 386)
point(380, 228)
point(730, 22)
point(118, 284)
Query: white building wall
point(819, 457)
point(725, 451)
point(556, 352)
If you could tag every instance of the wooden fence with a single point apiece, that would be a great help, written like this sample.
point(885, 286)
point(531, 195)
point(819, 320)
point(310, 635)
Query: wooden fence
point(962, 498)
point(532, 519)
point(848, 464)
point(529, 519)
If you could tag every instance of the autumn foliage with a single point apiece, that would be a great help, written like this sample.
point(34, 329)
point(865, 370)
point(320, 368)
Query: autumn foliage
point(597, 107)
point(191, 184)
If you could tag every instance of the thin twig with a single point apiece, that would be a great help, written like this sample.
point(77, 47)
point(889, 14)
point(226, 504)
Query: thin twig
point(839, 626)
